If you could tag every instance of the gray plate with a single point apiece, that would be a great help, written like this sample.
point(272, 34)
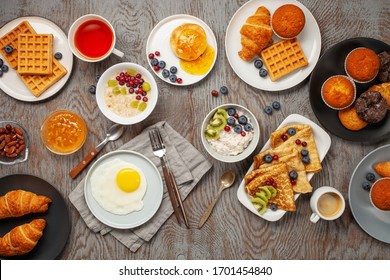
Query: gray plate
point(375, 223)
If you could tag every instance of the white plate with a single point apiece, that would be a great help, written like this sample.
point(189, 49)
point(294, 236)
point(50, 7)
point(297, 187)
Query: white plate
point(323, 142)
point(309, 39)
point(12, 85)
point(152, 198)
point(159, 41)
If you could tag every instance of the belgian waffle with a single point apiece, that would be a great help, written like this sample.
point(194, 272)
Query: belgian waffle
point(283, 58)
point(11, 39)
point(35, 53)
point(37, 84)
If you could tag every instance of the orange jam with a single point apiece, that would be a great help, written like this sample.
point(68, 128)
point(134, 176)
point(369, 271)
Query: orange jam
point(201, 65)
point(63, 132)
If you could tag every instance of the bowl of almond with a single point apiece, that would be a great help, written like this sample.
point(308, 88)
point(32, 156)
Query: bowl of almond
point(14, 143)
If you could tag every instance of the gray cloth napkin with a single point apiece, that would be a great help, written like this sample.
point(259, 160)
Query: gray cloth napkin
point(188, 166)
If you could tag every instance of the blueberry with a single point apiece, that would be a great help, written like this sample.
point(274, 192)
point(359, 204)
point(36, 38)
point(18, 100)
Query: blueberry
point(370, 177)
point(268, 110)
point(263, 73)
point(291, 131)
point(258, 63)
point(242, 120)
point(92, 89)
point(366, 186)
point(248, 127)
point(293, 174)
point(173, 78)
point(165, 73)
point(273, 207)
point(306, 160)
point(58, 55)
point(223, 90)
point(4, 68)
point(97, 77)
point(1, 62)
point(173, 70)
point(1, 73)
point(304, 152)
point(161, 64)
point(8, 49)
point(231, 111)
point(154, 62)
point(276, 105)
point(237, 128)
point(231, 121)
point(268, 158)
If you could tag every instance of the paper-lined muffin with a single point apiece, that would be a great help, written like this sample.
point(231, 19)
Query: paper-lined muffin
point(371, 107)
point(362, 65)
point(288, 21)
point(338, 92)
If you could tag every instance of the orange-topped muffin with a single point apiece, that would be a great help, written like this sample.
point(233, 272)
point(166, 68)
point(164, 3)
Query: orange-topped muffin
point(362, 65)
point(288, 21)
point(338, 92)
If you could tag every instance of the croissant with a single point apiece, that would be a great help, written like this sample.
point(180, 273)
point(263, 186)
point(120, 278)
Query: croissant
point(22, 239)
point(18, 203)
point(256, 34)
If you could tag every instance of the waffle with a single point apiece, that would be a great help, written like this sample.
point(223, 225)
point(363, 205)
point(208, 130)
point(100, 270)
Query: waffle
point(11, 39)
point(283, 58)
point(37, 84)
point(35, 53)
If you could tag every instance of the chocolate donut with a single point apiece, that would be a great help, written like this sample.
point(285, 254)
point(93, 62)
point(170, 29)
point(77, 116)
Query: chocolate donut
point(371, 107)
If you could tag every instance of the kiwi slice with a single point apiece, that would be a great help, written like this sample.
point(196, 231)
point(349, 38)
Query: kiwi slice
point(266, 191)
point(116, 90)
point(222, 113)
point(142, 106)
point(134, 104)
point(259, 204)
point(272, 190)
point(218, 122)
point(123, 91)
point(262, 195)
point(211, 134)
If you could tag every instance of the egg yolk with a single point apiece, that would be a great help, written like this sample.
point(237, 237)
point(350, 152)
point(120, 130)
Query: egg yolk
point(128, 180)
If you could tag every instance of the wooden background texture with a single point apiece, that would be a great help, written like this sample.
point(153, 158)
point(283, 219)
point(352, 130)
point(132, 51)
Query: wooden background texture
point(232, 232)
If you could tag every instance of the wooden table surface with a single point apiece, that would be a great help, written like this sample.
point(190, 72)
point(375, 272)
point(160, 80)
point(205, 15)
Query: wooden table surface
point(232, 232)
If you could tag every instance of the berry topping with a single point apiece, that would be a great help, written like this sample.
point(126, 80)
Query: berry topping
point(243, 133)
point(304, 144)
point(276, 105)
point(231, 111)
point(370, 177)
point(366, 186)
point(263, 73)
point(224, 90)
point(273, 207)
point(179, 80)
point(162, 64)
point(165, 73)
point(248, 127)
point(173, 70)
point(306, 160)
point(258, 63)
point(291, 131)
point(131, 90)
point(237, 128)
point(227, 128)
point(144, 99)
point(235, 115)
point(214, 93)
point(284, 137)
point(293, 174)
point(138, 76)
point(156, 68)
point(268, 159)
point(275, 157)
point(173, 78)
point(268, 110)
point(157, 53)
point(58, 55)
point(272, 181)
point(242, 120)
point(92, 89)
point(151, 55)
point(154, 62)
point(293, 182)
point(138, 97)
point(304, 152)
point(231, 121)
point(298, 142)
point(8, 49)
point(4, 68)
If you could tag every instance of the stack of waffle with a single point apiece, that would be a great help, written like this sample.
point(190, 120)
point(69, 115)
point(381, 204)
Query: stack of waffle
point(32, 57)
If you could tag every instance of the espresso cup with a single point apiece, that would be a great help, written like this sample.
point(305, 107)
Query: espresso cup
point(92, 38)
point(326, 203)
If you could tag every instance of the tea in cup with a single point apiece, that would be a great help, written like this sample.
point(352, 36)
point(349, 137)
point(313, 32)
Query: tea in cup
point(326, 203)
point(92, 38)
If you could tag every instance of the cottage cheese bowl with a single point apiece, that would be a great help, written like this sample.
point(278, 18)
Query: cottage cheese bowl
point(126, 93)
point(230, 133)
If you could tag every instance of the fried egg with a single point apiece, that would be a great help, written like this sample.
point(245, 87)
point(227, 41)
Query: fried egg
point(118, 186)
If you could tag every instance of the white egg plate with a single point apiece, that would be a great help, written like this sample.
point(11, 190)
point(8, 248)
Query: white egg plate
point(152, 198)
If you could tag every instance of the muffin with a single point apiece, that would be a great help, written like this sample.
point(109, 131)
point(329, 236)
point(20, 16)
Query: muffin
point(371, 107)
point(350, 119)
point(338, 92)
point(362, 65)
point(384, 90)
point(188, 41)
point(384, 70)
point(288, 21)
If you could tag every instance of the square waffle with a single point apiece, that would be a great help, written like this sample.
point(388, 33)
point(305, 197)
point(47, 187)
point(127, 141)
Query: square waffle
point(37, 84)
point(283, 58)
point(11, 39)
point(35, 53)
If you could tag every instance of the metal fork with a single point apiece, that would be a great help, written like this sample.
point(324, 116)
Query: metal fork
point(159, 151)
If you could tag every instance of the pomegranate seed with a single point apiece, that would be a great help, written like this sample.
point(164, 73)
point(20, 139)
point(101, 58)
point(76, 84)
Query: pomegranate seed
point(132, 78)
point(138, 76)
point(272, 181)
point(268, 182)
point(293, 182)
point(179, 80)
point(141, 81)
point(138, 97)
point(284, 137)
point(140, 90)
point(275, 157)
point(157, 53)
point(298, 142)
point(117, 78)
point(145, 99)
point(236, 116)
point(227, 128)
point(144, 93)
point(273, 184)
point(156, 68)
point(243, 133)
point(136, 82)
point(214, 93)
point(121, 83)
point(128, 85)
point(304, 144)
point(134, 85)
point(122, 79)
point(131, 84)
point(131, 90)
point(151, 55)
point(122, 74)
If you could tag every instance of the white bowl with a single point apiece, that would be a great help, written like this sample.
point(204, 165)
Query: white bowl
point(247, 151)
point(152, 94)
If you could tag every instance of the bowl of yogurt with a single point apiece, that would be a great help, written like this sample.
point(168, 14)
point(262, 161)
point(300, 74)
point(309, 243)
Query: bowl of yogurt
point(230, 133)
point(126, 93)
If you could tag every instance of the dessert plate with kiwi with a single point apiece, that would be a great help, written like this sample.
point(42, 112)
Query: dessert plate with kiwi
point(367, 119)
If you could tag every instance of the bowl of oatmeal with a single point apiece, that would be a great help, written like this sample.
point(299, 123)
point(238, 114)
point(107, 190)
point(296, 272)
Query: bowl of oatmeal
point(230, 133)
point(126, 93)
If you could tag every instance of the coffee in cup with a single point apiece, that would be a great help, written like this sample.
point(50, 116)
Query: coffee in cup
point(326, 203)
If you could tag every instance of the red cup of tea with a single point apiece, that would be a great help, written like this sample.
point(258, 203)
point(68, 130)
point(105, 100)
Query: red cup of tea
point(92, 38)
